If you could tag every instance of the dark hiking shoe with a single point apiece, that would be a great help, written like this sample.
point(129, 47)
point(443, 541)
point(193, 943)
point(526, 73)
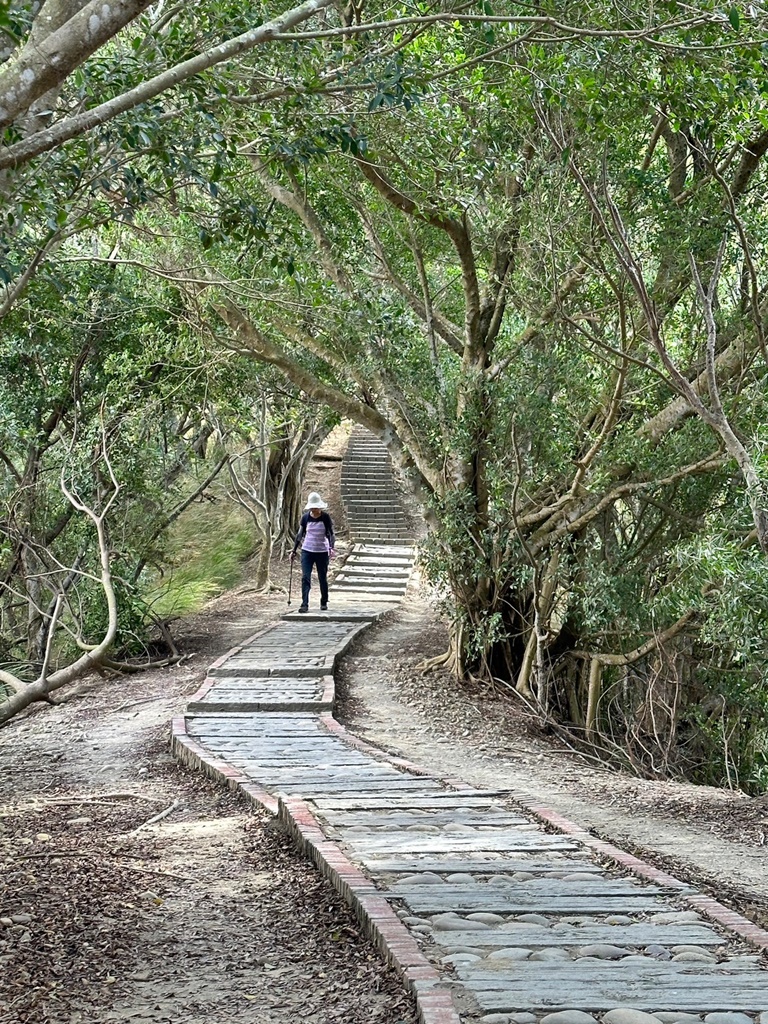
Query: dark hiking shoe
point(324, 606)
point(303, 608)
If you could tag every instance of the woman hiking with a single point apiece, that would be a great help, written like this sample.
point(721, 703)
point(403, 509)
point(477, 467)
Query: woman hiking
point(318, 545)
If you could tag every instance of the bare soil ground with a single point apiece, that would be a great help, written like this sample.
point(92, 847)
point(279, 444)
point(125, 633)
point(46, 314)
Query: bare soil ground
point(208, 914)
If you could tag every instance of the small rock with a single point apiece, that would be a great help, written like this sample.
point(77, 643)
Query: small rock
point(25, 937)
point(510, 953)
point(533, 919)
point(425, 878)
point(523, 876)
point(455, 924)
point(568, 1017)
point(461, 879)
point(581, 876)
point(458, 949)
point(602, 951)
point(500, 879)
point(658, 952)
point(626, 1015)
point(21, 918)
point(676, 917)
point(727, 1018)
point(460, 958)
point(141, 976)
point(618, 919)
point(552, 953)
point(496, 1018)
point(635, 958)
point(485, 918)
point(687, 948)
point(6, 922)
point(694, 958)
point(432, 829)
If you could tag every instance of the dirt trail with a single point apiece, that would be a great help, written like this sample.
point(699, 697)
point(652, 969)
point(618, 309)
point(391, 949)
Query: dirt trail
point(209, 914)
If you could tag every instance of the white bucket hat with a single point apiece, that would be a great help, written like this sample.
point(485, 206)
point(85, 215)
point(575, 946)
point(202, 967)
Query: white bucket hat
point(314, 501)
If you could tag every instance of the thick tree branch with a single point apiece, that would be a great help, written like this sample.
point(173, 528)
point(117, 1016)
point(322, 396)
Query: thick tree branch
point(49, 58)
point(256, 342)
point(309, 218)
point(71, 128)
point(456, 229)
point(446, 330)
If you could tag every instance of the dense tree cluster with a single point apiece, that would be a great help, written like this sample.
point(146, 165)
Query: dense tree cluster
point(523, 245)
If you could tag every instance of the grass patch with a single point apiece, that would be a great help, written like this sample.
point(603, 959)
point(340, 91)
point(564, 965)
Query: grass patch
point(208, 547)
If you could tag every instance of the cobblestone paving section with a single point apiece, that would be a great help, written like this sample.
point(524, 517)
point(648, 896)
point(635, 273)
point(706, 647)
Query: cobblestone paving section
point(488, 913)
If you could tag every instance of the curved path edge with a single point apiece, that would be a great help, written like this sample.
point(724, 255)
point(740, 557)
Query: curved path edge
point(379, 922)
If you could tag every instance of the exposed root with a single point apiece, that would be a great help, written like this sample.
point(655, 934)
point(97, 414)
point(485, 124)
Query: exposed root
point(102, 798)
point(439, 661)
point(155, 818)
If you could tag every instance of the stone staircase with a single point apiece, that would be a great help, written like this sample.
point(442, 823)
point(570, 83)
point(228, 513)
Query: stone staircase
point(375, 513)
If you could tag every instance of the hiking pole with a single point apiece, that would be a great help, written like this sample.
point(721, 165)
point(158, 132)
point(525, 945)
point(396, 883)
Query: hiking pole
point(290, 580)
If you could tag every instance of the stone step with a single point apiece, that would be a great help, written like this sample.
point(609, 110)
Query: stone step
point(376, 520)
point(391, 572)
point(373, 582)
point(597, 987)
point(631, 936)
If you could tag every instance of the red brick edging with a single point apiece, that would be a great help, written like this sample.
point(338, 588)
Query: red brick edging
point(381, 924)
point(706, 905)
point(192, 754)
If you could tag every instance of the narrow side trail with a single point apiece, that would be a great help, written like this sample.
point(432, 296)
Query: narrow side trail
point(490, 908)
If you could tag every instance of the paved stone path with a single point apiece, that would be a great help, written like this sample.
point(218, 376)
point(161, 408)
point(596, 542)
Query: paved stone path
point(488, 913)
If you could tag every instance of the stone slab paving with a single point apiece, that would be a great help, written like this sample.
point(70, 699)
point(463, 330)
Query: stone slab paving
point(488, 914)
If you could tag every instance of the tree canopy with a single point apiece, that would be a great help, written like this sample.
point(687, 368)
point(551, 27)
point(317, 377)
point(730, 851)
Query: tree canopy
point(524, 246)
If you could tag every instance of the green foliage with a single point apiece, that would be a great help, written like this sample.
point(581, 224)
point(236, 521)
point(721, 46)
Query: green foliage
point(511, 156)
